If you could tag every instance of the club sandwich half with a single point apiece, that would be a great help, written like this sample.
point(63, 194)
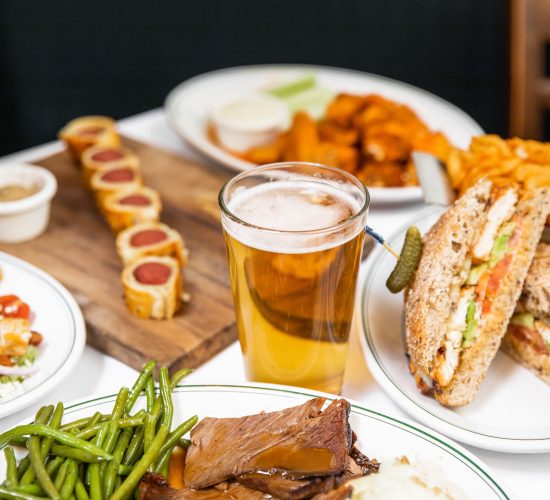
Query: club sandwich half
point(473, 266)
point(527, 339)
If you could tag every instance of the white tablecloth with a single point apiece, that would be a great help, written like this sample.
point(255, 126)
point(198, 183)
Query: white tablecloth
point(527, 475)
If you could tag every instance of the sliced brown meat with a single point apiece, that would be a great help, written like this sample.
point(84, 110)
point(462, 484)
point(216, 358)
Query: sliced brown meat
point(281, 486)
point(299, 440)
point(340, 493)
point(155, 487)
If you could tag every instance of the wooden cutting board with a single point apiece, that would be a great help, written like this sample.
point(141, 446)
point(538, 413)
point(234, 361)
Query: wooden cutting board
point(79, 250)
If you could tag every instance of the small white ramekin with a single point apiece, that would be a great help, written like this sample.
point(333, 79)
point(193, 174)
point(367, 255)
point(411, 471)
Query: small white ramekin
point(240, 137)
point(25, 219)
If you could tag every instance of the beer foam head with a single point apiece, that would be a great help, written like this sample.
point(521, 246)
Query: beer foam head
point(295, 209)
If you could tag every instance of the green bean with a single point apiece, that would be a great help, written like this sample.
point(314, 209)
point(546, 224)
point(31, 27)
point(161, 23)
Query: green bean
point(33, 444)
point(55, 422)
point(165, 394)
point(74, 453)
point(53, 465)
point(57, 435)
point(11, 468)
point(139, 385)
point(110, 441)
point(120, 403)
point(150, 393)
point(23, 466)
point(20, 441)
point(113, 432)
point(45, 444)
point(80, 491)
point(149, 431)
point(30, 489)
point(93, 473)
point(179, 376)
point(70, 480)
point(175, 435)
point(124, 470)
point(135, 447)
point(121, 423)
point(132, 480)
point(184, 443)
point(62, 474)
point(163, 461)
point(41, 473)
point(96, 418)
point(168, 447)
point(43, 415)
point(5, 493)
point(112, 467)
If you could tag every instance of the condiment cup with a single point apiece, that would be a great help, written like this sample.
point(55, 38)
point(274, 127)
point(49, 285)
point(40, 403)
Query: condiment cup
point(25, 219)
point(259, 123)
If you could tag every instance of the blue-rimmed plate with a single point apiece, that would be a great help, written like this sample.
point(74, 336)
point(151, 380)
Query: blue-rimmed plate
point(510, 412)
point(56, 315)
point(379, 436)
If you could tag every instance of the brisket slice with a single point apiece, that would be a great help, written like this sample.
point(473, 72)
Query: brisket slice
point(340, 493)
point(278, 485)
point(298, 440)
point(155, 487)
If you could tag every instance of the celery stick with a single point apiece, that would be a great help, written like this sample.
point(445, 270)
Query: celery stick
point(294, 87)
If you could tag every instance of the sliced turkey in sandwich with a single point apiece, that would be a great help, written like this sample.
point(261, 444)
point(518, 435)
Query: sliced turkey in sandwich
point(464, 292)
point(528, 337)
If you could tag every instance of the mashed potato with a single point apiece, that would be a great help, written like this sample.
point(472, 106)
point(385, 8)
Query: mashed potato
point(401, 480)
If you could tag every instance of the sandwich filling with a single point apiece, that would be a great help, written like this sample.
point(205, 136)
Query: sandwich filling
point(485, 267)
point(525, 327)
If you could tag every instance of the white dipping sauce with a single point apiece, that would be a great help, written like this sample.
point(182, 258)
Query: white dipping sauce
point(251, 120)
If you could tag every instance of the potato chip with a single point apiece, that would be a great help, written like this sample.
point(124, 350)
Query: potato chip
point(506, 162)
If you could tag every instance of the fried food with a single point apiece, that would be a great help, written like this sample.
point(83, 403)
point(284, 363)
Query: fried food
point(507, 162)
point(367, 135)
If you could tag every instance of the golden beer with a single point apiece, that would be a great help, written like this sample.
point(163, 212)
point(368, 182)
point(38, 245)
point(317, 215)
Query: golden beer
point(293, 266)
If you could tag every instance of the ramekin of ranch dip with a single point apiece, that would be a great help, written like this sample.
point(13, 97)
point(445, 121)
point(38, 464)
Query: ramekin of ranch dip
point(26, 192)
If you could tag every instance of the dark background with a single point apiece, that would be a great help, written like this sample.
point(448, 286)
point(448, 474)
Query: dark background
point(64, 58)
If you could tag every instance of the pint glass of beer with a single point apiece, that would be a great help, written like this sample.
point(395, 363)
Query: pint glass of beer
point(294, 234)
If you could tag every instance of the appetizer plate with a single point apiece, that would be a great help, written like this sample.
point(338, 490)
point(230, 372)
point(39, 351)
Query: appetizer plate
point(56, 315)
point(379, 436)
point(188, 108)
point(510, 412)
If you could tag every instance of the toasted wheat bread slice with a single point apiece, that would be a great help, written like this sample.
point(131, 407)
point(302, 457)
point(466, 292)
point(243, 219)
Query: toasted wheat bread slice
point(532, 210)
point(527, 355)
point(523, 345)
point(435, 286)
point(536, 290)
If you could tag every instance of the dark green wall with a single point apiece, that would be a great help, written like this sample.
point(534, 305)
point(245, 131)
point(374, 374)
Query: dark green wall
point(63, 58)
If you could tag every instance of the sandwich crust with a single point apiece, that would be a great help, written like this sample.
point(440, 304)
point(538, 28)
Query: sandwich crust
point(525, 354)
point(436, 284)
point(532, 209)
point(536, 290)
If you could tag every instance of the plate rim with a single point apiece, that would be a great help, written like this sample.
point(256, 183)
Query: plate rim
point(457, 451)
point(78, 340)
point(411, 405)
point(218, 155)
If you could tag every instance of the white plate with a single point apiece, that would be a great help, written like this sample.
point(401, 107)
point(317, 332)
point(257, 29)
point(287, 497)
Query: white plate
point(379, 436)
point(510, 412)
point(188, 106)
point(56, 316)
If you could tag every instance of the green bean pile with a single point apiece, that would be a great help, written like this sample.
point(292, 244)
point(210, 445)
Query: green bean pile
point(100, 457)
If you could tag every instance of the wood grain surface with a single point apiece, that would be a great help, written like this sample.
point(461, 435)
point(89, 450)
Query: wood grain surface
point(79, 250)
